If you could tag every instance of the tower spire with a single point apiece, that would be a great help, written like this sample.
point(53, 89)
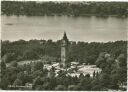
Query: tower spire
point(65, 36)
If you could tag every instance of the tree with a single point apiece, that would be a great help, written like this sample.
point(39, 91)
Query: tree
point(3, 68)
point(37, 73)
point(122, 69)
point(122, 60)
point(14, 64)
point(114, 83)
point(17, 82)
point(38, 66)
point(60, 87)
point(24, 77)
point(11, 73)
point(81, 76)
point(46, 85)
point(8, 57)
point(104, 79)
point(85, 83)
point(94, 74)
point(39, 87)
point(72, 87)
point(96, 86)
point(101, 61)
point(4, 83)
point(30, 54)
point(38, 81)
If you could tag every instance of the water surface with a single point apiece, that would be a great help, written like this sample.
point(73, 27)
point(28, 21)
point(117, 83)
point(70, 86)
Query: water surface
point(52, 27)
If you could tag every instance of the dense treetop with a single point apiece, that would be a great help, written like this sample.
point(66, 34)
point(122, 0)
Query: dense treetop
point(112, 77)
point(111, 57)
point(82, 52)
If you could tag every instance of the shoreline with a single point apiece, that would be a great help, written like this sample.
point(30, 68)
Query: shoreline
point(70, 15)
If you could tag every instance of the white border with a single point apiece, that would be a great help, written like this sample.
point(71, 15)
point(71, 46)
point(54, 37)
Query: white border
point(63, 1)
point(74, 0)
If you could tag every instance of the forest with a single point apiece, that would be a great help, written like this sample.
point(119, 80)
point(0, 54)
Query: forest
point(113, 74)
point(82, 52)
point(32, 8)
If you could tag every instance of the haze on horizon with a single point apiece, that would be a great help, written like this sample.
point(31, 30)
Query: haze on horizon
point(87, 29)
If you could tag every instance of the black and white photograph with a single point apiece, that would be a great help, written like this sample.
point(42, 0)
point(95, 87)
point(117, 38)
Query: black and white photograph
point(63, 45)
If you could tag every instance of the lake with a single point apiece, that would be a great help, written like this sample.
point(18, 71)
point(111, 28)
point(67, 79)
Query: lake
point(52, 27)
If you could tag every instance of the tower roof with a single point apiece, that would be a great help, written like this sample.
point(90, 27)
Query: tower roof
point(65, 36)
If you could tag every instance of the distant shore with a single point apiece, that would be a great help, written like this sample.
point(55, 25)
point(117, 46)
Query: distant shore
point(65, 8)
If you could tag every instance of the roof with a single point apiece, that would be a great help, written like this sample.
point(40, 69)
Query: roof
point(65, 36)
